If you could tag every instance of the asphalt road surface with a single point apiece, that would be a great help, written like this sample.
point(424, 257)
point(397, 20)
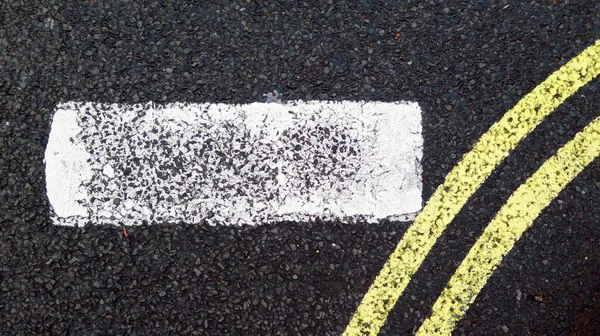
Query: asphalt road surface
point(466, 64)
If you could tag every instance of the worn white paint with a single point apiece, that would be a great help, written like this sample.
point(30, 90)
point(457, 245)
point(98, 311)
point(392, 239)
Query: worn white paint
point(66, 166)
point(234, 164)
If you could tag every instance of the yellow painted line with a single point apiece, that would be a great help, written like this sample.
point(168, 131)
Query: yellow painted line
point(499, 237)
point(462, 182)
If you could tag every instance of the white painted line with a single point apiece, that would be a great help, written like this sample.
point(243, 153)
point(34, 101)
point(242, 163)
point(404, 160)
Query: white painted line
point(234, 164)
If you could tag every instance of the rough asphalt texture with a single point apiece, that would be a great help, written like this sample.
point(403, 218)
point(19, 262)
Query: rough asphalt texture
point(466, 65)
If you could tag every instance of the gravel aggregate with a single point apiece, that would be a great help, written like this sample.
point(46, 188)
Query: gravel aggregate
point(465, 63)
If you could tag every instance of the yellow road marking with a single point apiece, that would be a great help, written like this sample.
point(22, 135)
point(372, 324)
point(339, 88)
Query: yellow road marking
point(462, 182)
point(499, 237)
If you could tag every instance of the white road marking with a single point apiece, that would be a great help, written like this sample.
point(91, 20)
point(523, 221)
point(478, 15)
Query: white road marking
point(234, 164)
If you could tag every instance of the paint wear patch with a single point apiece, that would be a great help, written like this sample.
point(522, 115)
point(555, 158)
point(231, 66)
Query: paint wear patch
point(234, 164)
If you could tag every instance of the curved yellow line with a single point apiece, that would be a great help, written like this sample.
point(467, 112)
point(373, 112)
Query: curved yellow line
point(499, 237)
point(464, 179)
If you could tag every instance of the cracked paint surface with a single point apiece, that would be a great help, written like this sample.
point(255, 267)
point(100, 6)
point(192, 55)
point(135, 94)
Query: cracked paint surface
point(234, 164)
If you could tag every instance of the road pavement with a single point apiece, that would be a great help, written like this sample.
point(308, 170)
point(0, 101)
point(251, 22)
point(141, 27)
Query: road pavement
point(466, 64)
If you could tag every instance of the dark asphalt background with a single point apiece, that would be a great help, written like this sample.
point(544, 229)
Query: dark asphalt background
point(466, 64)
